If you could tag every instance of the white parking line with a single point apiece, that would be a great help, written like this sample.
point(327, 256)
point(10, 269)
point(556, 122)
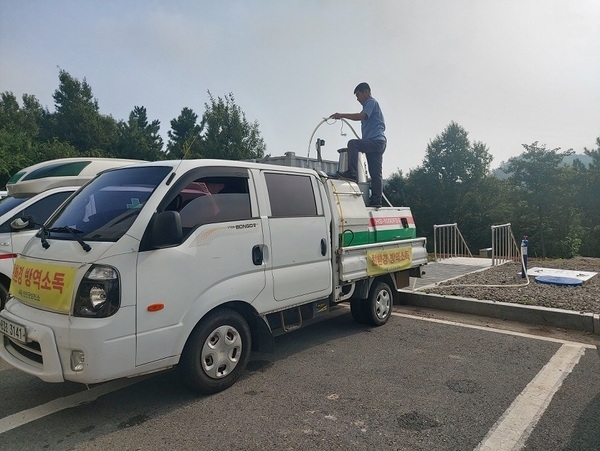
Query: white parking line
point(516, 424)
point(492, 329)
point(26, 416)
point(514, 427)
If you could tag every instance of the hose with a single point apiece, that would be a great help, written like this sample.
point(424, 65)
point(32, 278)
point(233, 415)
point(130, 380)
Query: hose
point(326, 120)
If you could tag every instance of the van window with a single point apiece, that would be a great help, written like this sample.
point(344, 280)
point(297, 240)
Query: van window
point(212, 199)
point(291, 195)
point(9, 203)
point(39, 211)
point(15, 177)
point(59, 169)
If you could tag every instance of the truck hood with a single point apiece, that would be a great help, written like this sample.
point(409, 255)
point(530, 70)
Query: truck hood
point(72, 252)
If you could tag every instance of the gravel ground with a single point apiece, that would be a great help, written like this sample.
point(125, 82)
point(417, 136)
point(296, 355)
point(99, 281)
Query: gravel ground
point(584, 298)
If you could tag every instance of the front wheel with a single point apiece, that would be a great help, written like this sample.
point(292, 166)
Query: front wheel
point(3, 296)
point(217, 352)
point(379, 305)
point(359, 310)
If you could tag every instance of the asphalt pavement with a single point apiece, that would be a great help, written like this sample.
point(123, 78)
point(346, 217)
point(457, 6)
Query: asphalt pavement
point(418, 383)
point(414, 384)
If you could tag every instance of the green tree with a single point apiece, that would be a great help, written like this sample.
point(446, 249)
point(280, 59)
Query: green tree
point(13, 140)
point(542, 184)
point(394, 189)
point(10, 113)
point(421, 191)
point(51, 150)
point(78, 121)
point(227, 134)
point(14, 150)
point(184, 136)
point(36, 119)
point(588, 201)
point(446, 185)
point(31, 119)
point(139, 138)
point(19, 133)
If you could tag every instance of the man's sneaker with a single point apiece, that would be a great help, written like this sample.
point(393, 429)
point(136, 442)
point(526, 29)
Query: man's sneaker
point(375, 205)
point(347, 175)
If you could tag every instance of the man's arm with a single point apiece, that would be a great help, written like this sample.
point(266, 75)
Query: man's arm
point(352, 116)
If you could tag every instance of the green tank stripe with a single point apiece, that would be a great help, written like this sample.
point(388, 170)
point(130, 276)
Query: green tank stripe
point(349, 238)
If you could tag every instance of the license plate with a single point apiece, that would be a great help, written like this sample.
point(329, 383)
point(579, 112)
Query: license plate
point(13, 330)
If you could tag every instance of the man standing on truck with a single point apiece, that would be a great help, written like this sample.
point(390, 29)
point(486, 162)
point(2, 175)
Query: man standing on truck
point(372, 144)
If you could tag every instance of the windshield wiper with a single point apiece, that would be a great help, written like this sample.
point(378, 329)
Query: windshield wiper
point(86, 247)
point(43, 234)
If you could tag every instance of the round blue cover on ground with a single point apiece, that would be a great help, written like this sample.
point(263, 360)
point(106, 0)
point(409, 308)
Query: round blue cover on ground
point(559, 280)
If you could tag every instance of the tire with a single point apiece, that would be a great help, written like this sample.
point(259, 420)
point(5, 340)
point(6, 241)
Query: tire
point(379, 304)
point(216, 353)
point(358, 310)
point(3, 296)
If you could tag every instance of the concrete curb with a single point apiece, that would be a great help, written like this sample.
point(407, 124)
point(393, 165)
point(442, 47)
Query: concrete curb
point(552, 317)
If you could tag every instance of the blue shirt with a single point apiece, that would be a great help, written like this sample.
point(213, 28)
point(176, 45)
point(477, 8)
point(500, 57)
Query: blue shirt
point(373, 127)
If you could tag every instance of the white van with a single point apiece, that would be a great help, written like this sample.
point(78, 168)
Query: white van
point(32, 196)
point(195, 263)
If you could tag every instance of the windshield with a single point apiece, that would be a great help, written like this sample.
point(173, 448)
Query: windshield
point(105, 208)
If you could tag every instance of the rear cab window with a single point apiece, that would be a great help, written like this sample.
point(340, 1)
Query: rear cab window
point(291, 195)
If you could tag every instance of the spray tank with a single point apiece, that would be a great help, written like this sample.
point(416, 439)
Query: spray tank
point(363, 179)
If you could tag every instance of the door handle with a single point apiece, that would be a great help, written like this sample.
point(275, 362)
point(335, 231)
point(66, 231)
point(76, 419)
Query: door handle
point(323, 247)
point(257, 255)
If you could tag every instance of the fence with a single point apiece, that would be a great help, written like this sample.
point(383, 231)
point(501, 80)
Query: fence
point(448, 242)
point(504, 245)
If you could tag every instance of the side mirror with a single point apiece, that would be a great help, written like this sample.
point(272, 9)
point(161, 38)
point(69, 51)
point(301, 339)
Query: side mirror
point(166, 229)
point(20, 223)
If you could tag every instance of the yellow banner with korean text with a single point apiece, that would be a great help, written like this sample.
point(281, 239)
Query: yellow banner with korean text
point(44, 285)
point(389, 260)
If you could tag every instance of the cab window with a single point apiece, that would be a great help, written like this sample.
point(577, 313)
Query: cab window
point(209, 200)
point(291, 195)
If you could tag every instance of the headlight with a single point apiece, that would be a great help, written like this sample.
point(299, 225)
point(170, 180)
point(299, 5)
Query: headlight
point(99, 294)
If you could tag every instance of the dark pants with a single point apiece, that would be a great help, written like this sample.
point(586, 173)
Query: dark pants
point(373, 150)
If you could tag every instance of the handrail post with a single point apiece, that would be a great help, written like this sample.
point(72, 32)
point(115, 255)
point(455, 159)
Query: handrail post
point(448, 242)
point(504, 245)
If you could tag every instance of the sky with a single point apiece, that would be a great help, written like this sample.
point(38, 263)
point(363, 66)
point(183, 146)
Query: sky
point(510, 72)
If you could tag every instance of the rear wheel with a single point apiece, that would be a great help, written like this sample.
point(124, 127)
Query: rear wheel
point(217, 352)
point(379, 305)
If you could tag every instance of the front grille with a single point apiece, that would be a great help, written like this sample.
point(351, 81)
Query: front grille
point(30, 351)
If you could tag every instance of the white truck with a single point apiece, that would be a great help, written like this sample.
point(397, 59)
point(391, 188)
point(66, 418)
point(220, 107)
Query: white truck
point(196, 263)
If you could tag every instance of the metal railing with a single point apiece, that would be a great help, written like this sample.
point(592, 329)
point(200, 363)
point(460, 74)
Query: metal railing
point(504, 245)
point(448, 242)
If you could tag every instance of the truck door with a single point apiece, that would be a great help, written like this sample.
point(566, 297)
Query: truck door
point(300, 248)
point(220, 259)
